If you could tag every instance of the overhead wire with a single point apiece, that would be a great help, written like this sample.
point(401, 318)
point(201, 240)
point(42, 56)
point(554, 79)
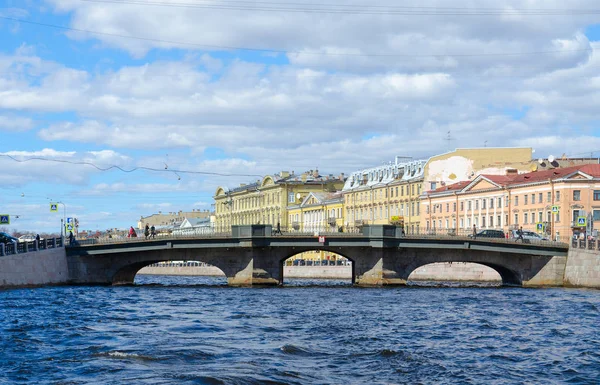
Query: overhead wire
point(119, 168)
point(289, 52)
point(356, 9)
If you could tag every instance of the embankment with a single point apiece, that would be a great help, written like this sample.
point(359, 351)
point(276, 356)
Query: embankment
point(582, 269)
point(37, 268)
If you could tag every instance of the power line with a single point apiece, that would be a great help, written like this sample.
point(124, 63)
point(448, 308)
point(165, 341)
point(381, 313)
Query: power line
point(115, 167)
point(352, 9)
point(280, 51)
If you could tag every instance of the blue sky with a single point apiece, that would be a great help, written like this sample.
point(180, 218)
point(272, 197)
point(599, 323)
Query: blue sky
point(341, 92)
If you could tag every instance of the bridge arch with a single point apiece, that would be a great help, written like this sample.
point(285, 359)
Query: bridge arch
point(291, 253)
point(455, 272)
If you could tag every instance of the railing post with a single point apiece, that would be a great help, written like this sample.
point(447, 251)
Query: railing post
point(53, 243)
point(26, 247)
point(2, 250)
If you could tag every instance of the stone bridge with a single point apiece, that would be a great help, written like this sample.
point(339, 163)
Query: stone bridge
point(380, 256)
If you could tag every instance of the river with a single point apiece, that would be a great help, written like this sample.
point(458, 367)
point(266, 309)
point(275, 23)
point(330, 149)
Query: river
point(195, 330)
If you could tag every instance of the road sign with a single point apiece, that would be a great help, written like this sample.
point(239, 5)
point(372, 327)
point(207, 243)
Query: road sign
point(70, 220)
point(68, 227)
point(321, 239)
point(540, 226)
point(54, 207)
point(555, 209)
point(581, 221)
point(4, 219)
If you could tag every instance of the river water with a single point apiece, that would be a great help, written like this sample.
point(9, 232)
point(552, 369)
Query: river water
point(195, 330)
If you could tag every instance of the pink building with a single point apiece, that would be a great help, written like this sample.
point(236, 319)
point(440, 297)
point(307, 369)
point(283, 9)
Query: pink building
point(555, 202)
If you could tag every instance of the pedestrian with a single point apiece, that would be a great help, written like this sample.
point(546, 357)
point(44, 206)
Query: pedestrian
point(520, 234)
point(147, 231)
point(474, 231)
point(37, 239)
point(278, 229)
point(132, 233)
point(153, 231)
point(71, 238)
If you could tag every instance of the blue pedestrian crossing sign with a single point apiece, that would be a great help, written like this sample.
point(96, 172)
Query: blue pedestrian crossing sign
point(581, 221)
point(69, 220)
point(53, 207)
point(4, 219)
point(540, 226)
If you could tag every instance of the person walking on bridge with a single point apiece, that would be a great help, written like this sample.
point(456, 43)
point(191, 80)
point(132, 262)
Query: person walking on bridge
point(152, 231)
point(132, 233)
point(520, 235)
point(146, 231)
point(474, 232)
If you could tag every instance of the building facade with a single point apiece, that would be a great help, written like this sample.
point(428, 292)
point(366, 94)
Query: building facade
point(391, 194)
point(266, 201)
point(384, 194)
point(172, 219)
point(556, 203)
point(318, 212)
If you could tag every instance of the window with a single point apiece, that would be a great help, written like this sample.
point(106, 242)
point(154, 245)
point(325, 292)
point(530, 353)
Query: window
point(447, 224)
point(433, 185)
point(540, 216)
point(499, 222)
point(597, 195)
point(402, 190)
point(549, 197)
point(462, 206)
point(540, 197)
point(427, 211)
point(477, 204)
point(469, 205)
point(468, 222)
point(454, 207)
point(557, 196)
point(557, 219)
point(506, 220)
point(499, 202)
point(483, 203)
point(525, 197)
point(462, 222)
point(576, 195)
point(396, 192)
point(447, 207)
point(491, 221)
point(516, 200)
point(482, 221)
point(532, 199)
point(525, 218)
point(491, 203)
point(575, 215)
point(596, 215)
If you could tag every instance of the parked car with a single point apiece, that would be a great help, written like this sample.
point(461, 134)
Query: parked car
point(7, 238)
point(490, 234)
point(27, 238)
point(527, 235)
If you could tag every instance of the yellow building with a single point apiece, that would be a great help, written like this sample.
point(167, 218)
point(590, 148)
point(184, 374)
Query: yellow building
point(318, 213)
point(266, 201)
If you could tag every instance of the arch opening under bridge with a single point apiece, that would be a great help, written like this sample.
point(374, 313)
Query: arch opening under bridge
point(306, 267)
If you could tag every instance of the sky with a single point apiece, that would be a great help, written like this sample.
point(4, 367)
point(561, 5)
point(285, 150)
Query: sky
point(124, 108)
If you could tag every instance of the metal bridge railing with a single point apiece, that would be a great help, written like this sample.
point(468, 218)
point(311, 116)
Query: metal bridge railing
point(31, 246)
point(295, 231)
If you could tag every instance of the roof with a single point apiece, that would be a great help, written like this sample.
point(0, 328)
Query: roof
point(592, 170)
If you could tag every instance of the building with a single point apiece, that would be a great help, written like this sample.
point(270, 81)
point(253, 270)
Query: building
point(391, 193)
point(195, 226)
point(556, 202)
point(384, 194)
point(318, 212)
point(266, 201)
point(172, 219)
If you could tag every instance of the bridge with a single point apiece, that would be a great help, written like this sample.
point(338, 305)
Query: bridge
point(381, 255)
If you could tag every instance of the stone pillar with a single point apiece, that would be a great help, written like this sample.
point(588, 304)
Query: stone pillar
point(261, 266)
point(377, 265)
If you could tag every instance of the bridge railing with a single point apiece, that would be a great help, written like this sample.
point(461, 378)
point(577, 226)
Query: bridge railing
point(31, 246)
point(586, 244)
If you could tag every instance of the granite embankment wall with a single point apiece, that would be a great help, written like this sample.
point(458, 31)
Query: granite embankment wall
point(37, 268)
point(583, 269)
